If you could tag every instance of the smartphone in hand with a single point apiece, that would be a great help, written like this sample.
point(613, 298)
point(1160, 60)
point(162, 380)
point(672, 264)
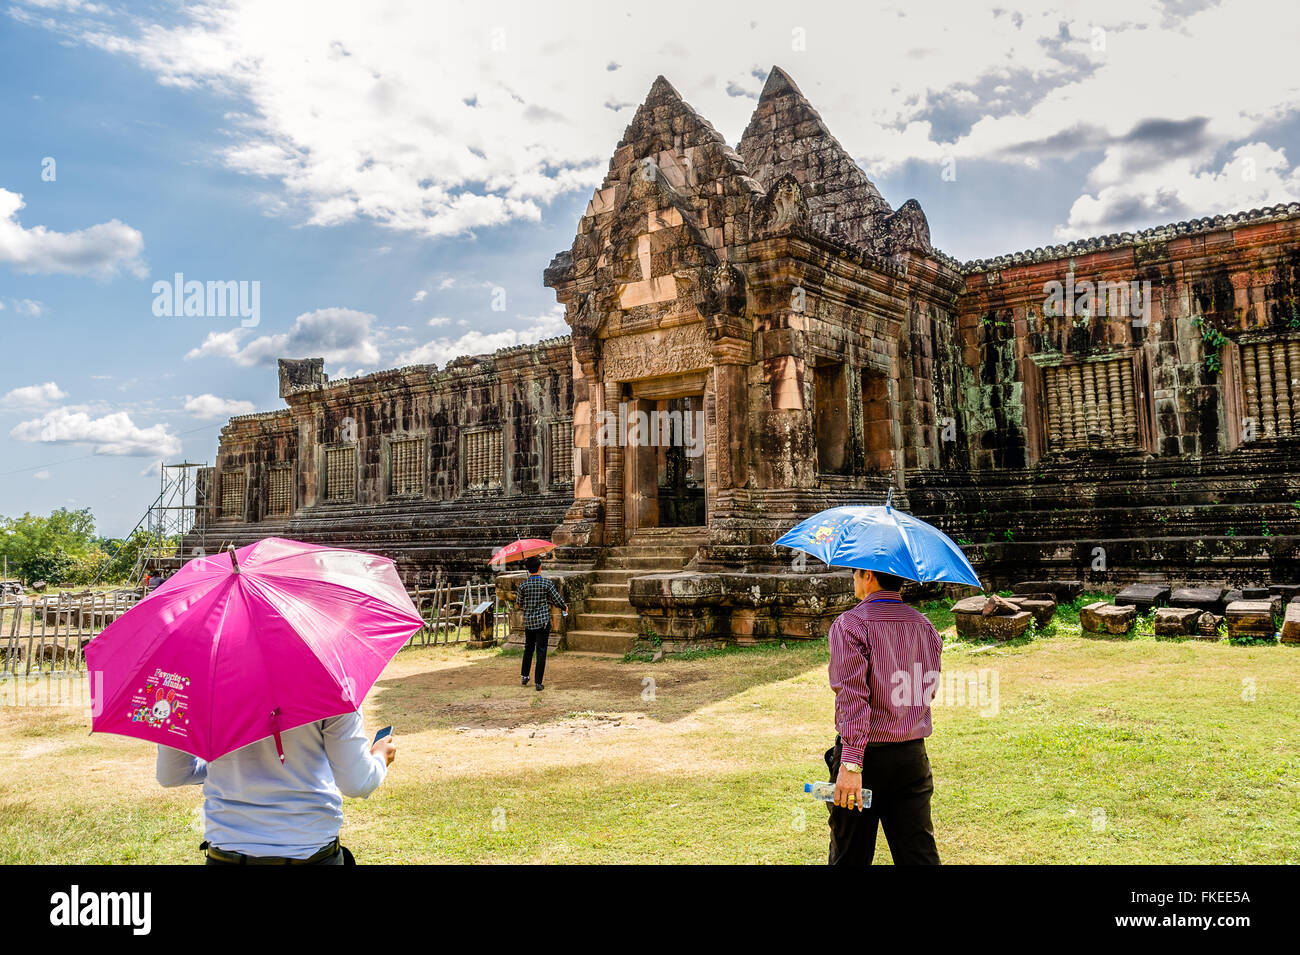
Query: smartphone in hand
point(386, 731)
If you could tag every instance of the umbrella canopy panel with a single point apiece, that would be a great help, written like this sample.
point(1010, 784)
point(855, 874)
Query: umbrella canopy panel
point(881, 538)
point(218, 658)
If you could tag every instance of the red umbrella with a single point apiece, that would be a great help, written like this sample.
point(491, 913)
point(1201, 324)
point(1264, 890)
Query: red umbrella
point(520, 550)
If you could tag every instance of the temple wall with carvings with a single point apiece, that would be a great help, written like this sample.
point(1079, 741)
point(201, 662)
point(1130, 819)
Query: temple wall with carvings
point(433, 467)
point(833, 355)
point(1169, 419)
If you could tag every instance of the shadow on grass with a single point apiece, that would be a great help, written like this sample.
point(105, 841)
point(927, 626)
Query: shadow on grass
point(484, 691)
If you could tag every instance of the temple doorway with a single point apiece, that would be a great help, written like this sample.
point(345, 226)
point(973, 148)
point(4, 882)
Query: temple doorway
point(680, 485)
point(666, 451)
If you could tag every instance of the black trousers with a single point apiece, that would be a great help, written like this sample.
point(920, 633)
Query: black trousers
point(536, 638)
point(898, 775)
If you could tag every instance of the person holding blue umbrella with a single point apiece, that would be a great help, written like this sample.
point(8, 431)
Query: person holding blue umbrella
point(884, 669)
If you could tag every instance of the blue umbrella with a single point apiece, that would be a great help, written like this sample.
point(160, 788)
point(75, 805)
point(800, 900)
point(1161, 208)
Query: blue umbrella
point(881, 538)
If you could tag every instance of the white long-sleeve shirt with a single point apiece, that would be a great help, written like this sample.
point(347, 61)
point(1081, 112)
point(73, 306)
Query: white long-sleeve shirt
point(256, 805)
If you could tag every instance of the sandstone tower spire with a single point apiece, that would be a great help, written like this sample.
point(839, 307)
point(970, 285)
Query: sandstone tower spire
point(787, 136)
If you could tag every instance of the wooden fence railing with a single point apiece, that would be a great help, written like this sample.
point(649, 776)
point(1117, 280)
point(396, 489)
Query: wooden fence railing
point(50, 633)
point(446, 609)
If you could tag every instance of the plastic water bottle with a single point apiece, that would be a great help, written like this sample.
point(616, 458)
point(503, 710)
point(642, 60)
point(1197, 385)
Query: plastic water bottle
point(826, 793)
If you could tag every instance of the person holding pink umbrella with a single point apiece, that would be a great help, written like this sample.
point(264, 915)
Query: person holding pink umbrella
point(258, 810)
point(248, 670)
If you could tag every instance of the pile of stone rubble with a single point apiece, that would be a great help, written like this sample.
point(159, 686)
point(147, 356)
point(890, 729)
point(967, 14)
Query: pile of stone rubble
point(1249, 612)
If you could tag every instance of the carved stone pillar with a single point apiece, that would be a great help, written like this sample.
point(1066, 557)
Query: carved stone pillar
point(1264, 369)
point(614, 462)
point(1281, 388)
point(1128, 401)
point(731, 409)
point(1089, 402)
point(1292, 370)
point(1080, 436)
point(1251, 384)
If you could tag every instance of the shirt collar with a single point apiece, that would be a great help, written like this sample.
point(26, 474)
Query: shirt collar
point(885, 595)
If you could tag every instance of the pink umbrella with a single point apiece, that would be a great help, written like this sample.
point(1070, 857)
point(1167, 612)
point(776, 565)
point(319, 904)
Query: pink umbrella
point(246, 644)
point(520, 549)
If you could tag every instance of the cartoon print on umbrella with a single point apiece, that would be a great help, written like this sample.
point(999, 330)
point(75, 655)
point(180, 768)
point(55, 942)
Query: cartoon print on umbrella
point(165, 703)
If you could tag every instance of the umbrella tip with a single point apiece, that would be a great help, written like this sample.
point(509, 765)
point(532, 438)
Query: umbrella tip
point(234, 561)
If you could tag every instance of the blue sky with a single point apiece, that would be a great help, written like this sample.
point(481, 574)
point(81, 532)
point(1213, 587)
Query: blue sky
point(381, 177)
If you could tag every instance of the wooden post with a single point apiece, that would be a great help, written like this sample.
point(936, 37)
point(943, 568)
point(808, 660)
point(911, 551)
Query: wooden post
point(460, 619)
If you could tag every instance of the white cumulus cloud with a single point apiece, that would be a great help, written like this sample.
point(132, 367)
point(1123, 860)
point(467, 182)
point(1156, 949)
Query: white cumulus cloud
point(528, 330)
point(439, 121)
point(29, 307)
point(209, 406)
point(114, 434)
point(33, 396)
point(101, 250)
point(336, 334)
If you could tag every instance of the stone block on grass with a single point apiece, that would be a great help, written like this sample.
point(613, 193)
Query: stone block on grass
point(993, 627)
point(1177, 621)
point(995, 604)
point(1143, 596)
point(1202, 598)
point(1288, 592)
point(1291, 625)
point(1102, 617)
point(1042, 609)
point(1252, 618)
point(970, 604)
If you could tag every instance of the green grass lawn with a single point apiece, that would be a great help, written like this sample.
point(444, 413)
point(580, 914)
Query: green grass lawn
point(1083, 750)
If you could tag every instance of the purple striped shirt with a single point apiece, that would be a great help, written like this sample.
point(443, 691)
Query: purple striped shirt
point(884, 670)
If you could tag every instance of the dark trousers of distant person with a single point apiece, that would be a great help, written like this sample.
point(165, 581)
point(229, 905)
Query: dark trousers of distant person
point(536, 638)
point(898, 775)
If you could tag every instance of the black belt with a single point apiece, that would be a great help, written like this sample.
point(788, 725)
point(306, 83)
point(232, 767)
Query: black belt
point(901, 742)
point(238, 858)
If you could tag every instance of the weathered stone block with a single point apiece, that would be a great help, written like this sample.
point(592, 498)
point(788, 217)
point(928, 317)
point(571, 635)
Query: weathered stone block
point(1064, 590)
point(1291, 625)
point(1288, 592)
point(1143, 596)
point(1203, 598)
point(1247, 593)
point(1250, 618)
point(1043, 610)
point(1102, 617)
point(995, 604)
point(1209, 626)
point(970, 605)
point(1177, 621)
point(993, 627)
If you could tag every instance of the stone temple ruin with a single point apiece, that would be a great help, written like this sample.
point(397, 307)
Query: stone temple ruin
point(756, 335)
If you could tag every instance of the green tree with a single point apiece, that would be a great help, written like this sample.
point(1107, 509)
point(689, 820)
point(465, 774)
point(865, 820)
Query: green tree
point(123, 554)
point(48, 548)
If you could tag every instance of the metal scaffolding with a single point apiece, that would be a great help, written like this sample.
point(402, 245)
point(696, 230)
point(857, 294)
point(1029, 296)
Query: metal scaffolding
point(167, 522)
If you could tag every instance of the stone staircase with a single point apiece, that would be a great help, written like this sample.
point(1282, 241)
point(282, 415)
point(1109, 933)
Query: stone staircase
point(608, 623)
